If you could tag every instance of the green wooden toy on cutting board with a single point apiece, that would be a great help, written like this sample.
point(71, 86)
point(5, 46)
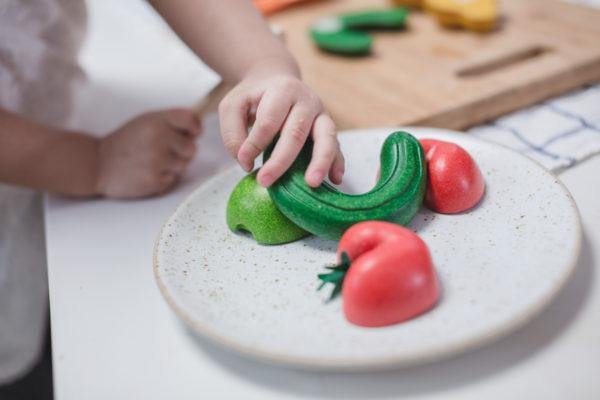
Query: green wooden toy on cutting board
point(345, 34)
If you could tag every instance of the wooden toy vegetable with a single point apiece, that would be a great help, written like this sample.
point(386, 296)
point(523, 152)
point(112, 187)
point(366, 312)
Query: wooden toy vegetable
point(393, 18)
point(251, 209)
point(476, 15)
point(385, 274)
point(454, 182)
point(344, 34)
point(332, 39)
point(327, 212)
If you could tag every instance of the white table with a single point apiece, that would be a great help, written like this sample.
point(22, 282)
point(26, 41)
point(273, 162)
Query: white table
point(115, 338)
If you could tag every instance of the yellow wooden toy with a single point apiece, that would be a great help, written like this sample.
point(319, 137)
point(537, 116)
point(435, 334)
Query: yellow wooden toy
point(476, 15)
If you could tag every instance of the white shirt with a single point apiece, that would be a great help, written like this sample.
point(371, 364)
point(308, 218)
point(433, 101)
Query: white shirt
point(39, 40)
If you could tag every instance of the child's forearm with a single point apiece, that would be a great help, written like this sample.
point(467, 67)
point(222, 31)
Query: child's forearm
point(229, 35)
point(43, 158)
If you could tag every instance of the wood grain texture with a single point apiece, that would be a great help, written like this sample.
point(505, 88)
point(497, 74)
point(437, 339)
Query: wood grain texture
point(417, 77)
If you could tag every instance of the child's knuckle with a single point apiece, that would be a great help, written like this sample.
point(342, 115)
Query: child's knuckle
point(267, 125)
point(297, 134)
point(288, 84)
point(230, 144)
point(277, 164)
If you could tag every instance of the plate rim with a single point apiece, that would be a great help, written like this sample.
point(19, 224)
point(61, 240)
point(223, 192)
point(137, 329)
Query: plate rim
point(389, 363)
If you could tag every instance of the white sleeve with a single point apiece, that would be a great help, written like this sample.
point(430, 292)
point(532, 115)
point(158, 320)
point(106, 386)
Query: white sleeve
point(39, 42)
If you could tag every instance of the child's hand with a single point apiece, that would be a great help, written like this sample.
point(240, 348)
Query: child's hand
point(283, 103)
point(148, 154)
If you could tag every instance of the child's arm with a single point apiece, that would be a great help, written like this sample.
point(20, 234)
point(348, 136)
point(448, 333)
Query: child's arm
point(232, 37)
point(142, 158)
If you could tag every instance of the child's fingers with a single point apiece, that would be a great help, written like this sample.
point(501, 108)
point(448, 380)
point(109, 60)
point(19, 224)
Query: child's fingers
point(182, 146)
point(325, 151)
point(233, 119)
point(176, 167)
point(166, 181)
point(270, 116)
point(182, 119)
point(293, 136)
point(336, 172)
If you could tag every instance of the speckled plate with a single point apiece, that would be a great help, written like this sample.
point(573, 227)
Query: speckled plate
point(498, 264)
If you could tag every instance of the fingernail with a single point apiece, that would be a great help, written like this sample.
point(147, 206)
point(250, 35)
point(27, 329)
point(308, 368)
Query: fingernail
point(244, 163)
point(315, 178)
point(339, 174)
point(246, 166)
point(335, 178)
point(266, 180)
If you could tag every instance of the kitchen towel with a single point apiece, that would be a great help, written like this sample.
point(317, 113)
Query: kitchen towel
point(558, 133)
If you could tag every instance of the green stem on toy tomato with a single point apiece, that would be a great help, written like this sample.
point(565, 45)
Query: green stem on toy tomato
point(336, 276)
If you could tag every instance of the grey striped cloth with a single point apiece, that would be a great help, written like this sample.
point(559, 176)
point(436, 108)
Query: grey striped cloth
point(558, 133)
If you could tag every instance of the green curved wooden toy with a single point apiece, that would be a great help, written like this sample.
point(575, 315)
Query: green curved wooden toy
point(251, 209)
point(394, 18)
point(349, 43)
point(344, 34)
point(327, 212)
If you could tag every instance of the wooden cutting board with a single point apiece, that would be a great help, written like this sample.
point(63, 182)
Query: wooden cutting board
point(432, 76)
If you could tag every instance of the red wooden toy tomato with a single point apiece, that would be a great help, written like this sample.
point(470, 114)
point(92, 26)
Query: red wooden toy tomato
point(390, 277)
point(454, 181)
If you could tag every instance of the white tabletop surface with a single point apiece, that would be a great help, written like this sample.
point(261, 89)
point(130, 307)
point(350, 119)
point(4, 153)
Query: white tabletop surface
point(115, 338)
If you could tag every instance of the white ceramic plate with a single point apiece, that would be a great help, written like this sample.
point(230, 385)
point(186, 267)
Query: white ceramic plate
point(498, 264)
